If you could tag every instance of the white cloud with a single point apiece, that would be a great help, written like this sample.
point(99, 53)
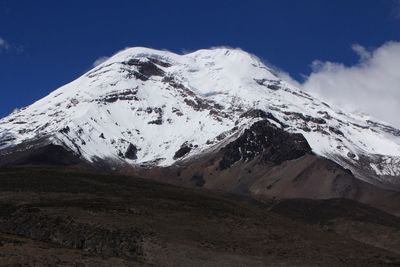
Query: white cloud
point(99, 61)
point(4, 45)
point(280, 72)
point(285, 76)
point(362, 52)
point(371, 86)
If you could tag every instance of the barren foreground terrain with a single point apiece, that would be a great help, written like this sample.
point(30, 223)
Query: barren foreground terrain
point(64, 217)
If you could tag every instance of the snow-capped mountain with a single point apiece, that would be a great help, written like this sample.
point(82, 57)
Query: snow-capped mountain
point(154, 108)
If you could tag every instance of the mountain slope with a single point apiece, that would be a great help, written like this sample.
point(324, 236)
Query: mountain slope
point(144, 107)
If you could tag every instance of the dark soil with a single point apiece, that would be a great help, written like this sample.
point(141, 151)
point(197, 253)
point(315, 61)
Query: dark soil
point(62, 217)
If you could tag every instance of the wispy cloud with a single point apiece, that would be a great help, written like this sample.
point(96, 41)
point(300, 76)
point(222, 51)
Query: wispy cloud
point(99, 61)
point(4, 45)
point(362, 52)
point(371, 86)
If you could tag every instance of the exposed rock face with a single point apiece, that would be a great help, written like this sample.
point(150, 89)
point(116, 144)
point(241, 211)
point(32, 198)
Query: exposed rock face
point(146, 68)
point(126, 95)
point(131, 152)
point(255, 113)
point(6, 138)
point(258, 113)
point(185, 149)
point(263, 138)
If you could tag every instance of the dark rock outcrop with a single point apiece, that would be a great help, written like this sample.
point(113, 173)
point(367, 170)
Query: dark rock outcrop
point(160, 62)
point(258, 113)
point(386, 128)
point(263, 138)
point(131, 152)
point(185, 149)
point(128, 94)
point(146, 68)
point(306, 118)
point(6, 138)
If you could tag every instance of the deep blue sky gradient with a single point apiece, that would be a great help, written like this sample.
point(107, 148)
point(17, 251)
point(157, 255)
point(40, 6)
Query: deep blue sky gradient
point(53, 42)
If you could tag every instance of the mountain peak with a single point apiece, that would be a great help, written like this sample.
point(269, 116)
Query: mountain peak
point(153, 105)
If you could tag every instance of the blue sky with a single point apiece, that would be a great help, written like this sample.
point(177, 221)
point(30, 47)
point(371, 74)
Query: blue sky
point(45, 44)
